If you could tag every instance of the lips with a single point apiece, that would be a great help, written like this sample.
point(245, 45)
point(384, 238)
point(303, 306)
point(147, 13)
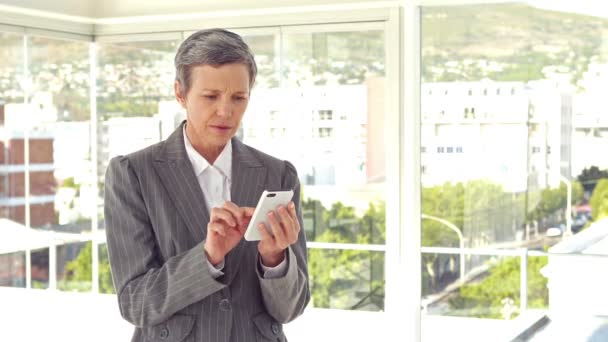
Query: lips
point(220, 128)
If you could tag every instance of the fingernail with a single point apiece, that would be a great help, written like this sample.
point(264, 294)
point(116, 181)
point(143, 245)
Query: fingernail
point(270, 214)
point(291, 205)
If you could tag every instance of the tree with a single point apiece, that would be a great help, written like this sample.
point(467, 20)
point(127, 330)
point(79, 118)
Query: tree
point(599, 200)
point(553, 202)
point(590, 176)
point(79, 272)
point(485, 298)
point(347, 279)
point(479, 208)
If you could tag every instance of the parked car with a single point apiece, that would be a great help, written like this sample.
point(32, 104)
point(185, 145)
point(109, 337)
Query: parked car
point(553, 232)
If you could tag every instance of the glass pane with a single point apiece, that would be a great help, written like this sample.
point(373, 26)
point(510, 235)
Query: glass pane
point(74, 265)
point(347, 279)
point(495, 294)
point(134, 79)
point(40, 268)
point(538, 292)
point(512, 145)
point(265, 53)
point(136, 106)
point(11, 69)
point(11, 145)
point(61, 182)
point(105, 274)
point(329, 118)
point(12, 269)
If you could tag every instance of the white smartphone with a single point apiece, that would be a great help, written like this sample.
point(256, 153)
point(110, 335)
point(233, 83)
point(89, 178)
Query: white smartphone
point(269, 201)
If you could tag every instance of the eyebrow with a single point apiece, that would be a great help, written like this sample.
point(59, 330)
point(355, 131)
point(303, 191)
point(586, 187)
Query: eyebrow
point(218, 91)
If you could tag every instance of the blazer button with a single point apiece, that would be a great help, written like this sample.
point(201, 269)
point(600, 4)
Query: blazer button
point(164, 333)
point(275, 328)
point(224, 305)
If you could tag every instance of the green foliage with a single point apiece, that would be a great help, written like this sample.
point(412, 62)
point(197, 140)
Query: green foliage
point(599, 200)
point(69, 183)
point(78, 272)
point(555, 199)
point(484, 299)
point(105, 273)
point(127, 107)
point(479, 203)
point(77, 276)
point(479, 208)
point(347, 279)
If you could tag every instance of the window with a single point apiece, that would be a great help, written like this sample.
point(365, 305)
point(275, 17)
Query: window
point(324, 132)
point(273, 115)
point(328, 75)
point(450, 149)
point(324, 115)
point(440, 149)
point(277, 132)
point(507, 193)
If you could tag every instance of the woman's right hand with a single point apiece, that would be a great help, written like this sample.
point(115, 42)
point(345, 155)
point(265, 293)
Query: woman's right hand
point(225, 230)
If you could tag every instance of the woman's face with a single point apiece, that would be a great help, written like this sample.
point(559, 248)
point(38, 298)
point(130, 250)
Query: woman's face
point(215, 104)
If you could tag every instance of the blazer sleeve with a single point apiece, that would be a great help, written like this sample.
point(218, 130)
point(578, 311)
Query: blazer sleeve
point(286, 297)
point(149, 289)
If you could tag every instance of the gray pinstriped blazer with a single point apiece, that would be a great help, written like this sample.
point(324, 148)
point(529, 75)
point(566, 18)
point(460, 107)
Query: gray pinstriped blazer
point(156, 222)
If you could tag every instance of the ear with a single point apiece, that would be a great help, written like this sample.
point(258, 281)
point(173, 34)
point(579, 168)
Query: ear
point(177, 88)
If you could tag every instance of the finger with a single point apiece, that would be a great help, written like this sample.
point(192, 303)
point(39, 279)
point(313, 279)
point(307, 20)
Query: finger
point(277, 229)
point(235, 211)
point(217, 228)
point(248, 211)
point(218, 214)
point(265, 234)
point(294, 215)
point(288, 224)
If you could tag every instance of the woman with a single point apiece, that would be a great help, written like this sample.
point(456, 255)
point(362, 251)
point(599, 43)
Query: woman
point(176, 213)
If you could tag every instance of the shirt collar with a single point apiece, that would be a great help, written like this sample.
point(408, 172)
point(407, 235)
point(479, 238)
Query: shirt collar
point(223, 163)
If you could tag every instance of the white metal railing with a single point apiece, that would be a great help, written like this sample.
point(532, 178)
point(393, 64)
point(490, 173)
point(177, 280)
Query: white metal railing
point(522, 253)
point(346, 246)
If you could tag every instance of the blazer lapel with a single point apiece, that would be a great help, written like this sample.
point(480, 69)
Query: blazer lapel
point(248, 181)
point(175, 171)
point(248, 176)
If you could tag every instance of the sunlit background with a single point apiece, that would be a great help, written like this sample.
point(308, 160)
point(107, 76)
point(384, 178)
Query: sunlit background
point(471, 136)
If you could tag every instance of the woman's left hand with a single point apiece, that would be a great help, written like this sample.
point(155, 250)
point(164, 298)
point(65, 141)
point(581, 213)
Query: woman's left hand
point(285, 230)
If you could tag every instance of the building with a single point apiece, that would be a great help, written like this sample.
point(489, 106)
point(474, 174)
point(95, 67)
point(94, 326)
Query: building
point(590, 124)
point(521, 132)
point(323, 130)
point(124, 135)
point(13, 196)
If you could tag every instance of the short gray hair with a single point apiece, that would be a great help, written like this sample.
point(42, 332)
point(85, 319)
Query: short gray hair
point(214, 47)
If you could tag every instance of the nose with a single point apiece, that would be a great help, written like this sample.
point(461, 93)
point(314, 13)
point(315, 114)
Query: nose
point(225, 108)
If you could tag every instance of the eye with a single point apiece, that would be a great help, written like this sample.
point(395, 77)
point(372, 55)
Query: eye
point(240, 98)
point(210, 97)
